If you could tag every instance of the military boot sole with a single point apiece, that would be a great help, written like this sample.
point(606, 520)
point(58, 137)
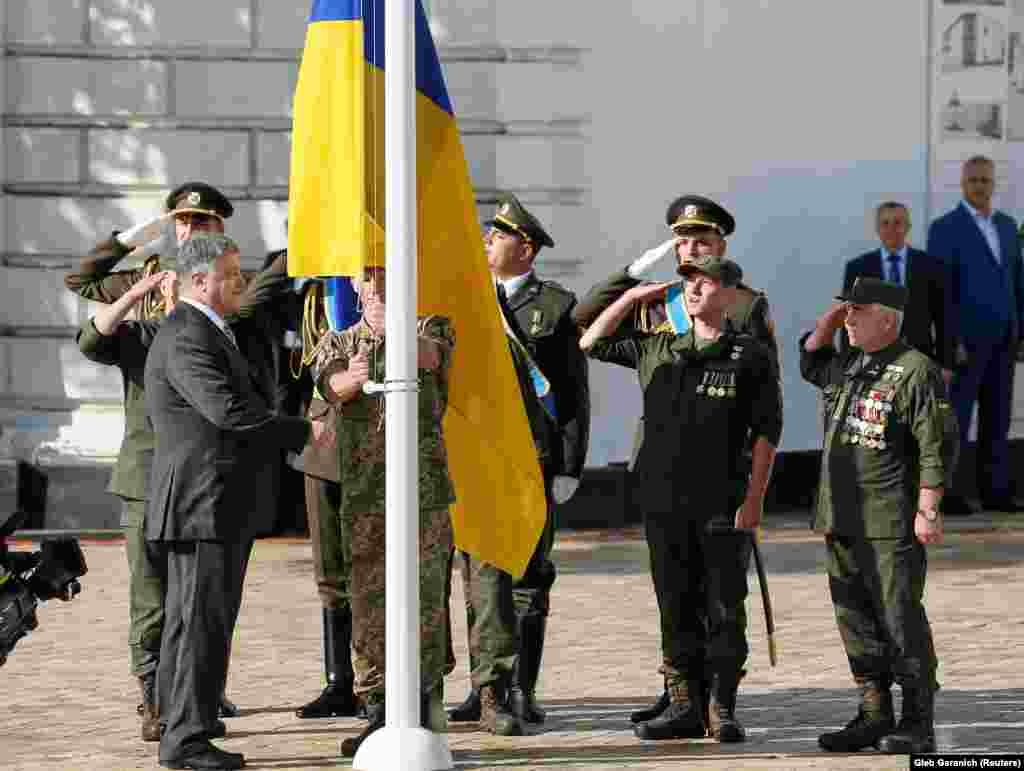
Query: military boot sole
point(864, 738)
point(905, 745)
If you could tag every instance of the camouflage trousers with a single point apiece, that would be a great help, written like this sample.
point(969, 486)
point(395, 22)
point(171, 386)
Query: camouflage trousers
point(367, 600)
point(877, 589)
point(145, 591)
point(490, 620)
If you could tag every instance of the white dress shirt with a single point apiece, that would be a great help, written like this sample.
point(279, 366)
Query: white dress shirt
point(213, 316)
point(988, 229)
point(901, 265)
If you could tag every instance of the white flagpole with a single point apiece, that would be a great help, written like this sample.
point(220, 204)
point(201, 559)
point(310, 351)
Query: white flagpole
point(402, 745)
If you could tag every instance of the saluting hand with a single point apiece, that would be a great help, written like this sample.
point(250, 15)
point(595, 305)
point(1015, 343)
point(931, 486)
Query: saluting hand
point(645, 292)
point(428, 353)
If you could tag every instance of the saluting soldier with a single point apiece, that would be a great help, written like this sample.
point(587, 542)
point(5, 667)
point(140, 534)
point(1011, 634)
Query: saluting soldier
point(507, 620)
point(711, 398)
point(891, 441)
point(700, 227)
point(193, 207)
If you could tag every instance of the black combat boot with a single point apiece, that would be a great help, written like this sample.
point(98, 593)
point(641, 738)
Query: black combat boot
point(495, 716)
point(916, 731)
point(722, 722)
point(468, 711)
point(337, 699)
point(653, 711)
point(873, 721)
point(375, 718)
point(524, 680)
point(682, 719)
point(150, 713)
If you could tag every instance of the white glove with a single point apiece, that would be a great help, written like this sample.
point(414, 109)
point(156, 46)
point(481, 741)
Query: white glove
point(162, 245)
point(144, 233)
point(648, 259)
point(563, 488)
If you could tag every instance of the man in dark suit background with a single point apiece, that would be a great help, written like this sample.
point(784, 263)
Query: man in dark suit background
point(217, 434)
point(927, 316)
point(983, 257)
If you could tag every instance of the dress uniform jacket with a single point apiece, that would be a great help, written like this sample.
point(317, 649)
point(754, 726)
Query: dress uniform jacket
point(540, 315)
point(889, 430)
point(703, 408)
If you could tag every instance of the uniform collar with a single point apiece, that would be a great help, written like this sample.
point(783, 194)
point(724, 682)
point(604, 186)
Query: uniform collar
point(513, 285)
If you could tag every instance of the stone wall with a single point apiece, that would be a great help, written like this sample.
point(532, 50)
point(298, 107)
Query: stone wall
point(108, 104)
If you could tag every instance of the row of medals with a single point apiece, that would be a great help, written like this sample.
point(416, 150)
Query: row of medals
point(717, 391)
point(866, 432)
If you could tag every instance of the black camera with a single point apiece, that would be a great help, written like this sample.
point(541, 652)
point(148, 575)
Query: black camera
point(26, 579)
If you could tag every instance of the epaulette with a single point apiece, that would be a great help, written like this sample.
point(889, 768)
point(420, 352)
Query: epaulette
point(548, 283)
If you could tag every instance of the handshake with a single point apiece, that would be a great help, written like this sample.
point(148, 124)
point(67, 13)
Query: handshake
point(153, 237)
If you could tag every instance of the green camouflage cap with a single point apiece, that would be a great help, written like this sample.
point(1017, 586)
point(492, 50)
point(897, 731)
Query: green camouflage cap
point(720, 268)
point(872, 291)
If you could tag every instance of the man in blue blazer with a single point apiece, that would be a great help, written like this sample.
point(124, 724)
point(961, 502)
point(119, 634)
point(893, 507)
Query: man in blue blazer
point(927, 316)
point(983, 257)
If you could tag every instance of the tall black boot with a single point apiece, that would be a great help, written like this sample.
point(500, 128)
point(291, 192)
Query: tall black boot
point(874, 720)
point(684, 717)
point(722, 722)
point(916, 731)
point(337, 699)
point(532, 626)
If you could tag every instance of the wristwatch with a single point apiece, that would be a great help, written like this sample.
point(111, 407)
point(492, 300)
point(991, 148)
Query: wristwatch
point(930, 514)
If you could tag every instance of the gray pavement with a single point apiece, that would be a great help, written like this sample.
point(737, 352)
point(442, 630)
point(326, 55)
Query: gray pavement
point(69, 701)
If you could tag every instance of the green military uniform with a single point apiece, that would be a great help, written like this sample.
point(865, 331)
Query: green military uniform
point(506, 619)
point(360, 455)
point(705, 405)
point(127, 349)
point(889, 430)
point(330, 539)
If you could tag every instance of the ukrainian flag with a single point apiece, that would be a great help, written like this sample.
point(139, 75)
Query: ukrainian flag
point(336, 220)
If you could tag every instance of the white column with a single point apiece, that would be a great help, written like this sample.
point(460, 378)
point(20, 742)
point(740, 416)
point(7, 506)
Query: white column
point(402, 745)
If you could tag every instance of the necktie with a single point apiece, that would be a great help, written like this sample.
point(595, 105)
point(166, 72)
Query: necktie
point(230, 335)
point(894, 269)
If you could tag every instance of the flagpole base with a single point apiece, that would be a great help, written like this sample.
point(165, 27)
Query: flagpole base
point(403, 749)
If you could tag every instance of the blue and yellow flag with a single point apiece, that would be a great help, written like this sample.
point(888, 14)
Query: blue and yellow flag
point(336, 221)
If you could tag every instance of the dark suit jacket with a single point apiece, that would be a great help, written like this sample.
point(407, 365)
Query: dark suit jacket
point(983, 291)
point(541, 311)
point(927, 317)
point(217, 434)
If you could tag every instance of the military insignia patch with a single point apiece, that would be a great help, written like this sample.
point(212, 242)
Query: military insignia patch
point(690, 211)
point(194, 198)
point(505, 208)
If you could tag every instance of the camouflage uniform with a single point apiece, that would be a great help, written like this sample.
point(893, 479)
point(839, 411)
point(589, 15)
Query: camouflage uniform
point(889, 431)
point(361, 453)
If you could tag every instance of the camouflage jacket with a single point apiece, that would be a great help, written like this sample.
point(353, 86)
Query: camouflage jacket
point(360, 438)
point(889, 430)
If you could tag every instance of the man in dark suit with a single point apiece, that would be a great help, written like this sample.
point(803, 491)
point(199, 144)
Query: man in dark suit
point(983, 257)
point(926, 320)
point(217, 434)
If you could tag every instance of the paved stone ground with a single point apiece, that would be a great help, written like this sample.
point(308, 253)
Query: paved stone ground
point(69, 702)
